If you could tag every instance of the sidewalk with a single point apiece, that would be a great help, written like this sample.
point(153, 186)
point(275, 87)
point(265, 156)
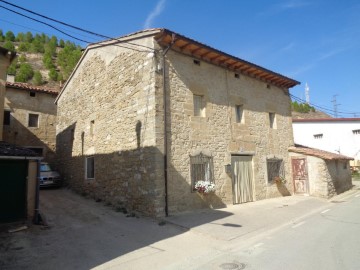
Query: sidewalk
point(249, 219)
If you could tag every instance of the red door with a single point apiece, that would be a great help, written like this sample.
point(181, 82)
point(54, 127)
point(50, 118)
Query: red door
point(300, 175)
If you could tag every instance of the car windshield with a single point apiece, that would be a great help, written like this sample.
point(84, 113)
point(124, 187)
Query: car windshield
point(45, 168)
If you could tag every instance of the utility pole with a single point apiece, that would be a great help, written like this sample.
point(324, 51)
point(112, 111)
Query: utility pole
point(307, 93)
point(335, 105)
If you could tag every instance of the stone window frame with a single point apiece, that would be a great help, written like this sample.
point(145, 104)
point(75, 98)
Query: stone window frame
point(90, 171)
point(201, 168)
point(33, 123)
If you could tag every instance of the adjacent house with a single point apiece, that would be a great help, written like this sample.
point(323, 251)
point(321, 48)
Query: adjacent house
point(18, 167)
point(145, 117)
point(30, 118)
point(319, 173)
point(336, 135)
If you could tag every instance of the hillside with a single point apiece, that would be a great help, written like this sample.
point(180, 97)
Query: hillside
point(305, 111)
point(41, 60)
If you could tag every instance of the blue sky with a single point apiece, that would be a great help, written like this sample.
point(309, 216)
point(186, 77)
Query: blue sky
point(313, 41)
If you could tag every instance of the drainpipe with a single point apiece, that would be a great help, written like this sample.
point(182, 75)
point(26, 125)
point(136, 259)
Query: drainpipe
point(165, 127)
point(37, 212)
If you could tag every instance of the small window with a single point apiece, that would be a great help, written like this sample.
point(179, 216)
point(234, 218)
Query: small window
point(239, 111)
point(272, 120)
point(33, 120)
point(268, 86)
point(201, 169)
point(237, 75)
point(7, 115)
point(90, 167)
point(275, 170)
point(92, 127)
point(196, 62)
point(199, 106)
point(356, 131)
point(32, 94)
point(318, 136)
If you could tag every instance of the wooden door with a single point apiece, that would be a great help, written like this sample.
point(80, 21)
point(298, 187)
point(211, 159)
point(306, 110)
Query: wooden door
point(300, 175)
point(242, 179)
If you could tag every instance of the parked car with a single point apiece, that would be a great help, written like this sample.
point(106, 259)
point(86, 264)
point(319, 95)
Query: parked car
point(48, 177)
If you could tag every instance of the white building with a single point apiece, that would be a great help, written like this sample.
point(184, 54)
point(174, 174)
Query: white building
point(337, 135)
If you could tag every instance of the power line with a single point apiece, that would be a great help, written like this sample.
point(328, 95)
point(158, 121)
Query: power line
point(72, 26)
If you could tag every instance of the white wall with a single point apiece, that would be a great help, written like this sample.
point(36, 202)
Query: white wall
point(338, 137)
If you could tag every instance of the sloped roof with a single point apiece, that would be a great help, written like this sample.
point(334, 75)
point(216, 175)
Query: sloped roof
point(11, 150)
point(29, 87)
point(300, 149)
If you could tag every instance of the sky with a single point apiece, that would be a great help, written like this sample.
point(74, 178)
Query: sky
point(312, 41)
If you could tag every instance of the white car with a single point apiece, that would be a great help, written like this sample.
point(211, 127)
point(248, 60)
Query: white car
point(48, 177)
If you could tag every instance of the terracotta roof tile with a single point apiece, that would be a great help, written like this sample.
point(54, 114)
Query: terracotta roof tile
point(29, 87)
point(300, 149)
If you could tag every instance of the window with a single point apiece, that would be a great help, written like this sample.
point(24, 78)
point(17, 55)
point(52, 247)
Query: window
point(33, 120)
point(92, 124)
point(356, 131)
point(272, 120)
point(275, 169)
point(7, 118)
point(239, 111)
point(32, 94)
point(201, 169)
point(199, 106)
point(318, 136)
point(237, 75)
point(268, 86)
point(90, 167)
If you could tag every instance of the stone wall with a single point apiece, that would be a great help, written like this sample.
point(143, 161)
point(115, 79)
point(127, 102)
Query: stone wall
point(108, 110)
point(4, 63)
point(327, 177)
point(218, 133)
point(20, 104)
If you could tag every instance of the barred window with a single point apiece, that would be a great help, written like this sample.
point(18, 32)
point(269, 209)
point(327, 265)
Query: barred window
point(275, 169)
point(201, 169)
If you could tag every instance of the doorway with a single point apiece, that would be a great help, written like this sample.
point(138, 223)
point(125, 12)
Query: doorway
point(242, 179)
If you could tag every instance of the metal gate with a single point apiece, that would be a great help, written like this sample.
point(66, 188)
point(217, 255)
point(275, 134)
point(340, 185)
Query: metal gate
point(242, 177)
point(300, 175)
point(13, 190)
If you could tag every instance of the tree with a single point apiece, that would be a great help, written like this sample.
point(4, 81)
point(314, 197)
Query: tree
point(9, 45)
point(37, 46)
point(20, 37)
point(9, 36)
point(12, 68)
point(1, 36)
point(24, 73)
point(38, 79)
point(24, 47)
point(29, 37)
point(47, 60)
point(62, 43)
point(53, 74)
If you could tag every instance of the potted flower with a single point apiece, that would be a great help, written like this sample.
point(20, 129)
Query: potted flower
point(279, 180)
point(204, 187)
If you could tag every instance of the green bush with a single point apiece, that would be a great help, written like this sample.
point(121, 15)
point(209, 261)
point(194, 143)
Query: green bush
point(53, 74)
point(9, 45)
point(24, 73)
point(38, 79)
point(9, 36)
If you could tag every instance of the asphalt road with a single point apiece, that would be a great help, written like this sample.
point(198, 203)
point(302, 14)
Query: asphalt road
point(329, 239)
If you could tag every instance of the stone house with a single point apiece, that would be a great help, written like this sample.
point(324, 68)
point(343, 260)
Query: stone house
point(318, 172)
point(18, 166)
point(144, 117)
point(30, 118)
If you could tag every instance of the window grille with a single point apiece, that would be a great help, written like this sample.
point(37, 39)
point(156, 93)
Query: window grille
point(356, 131)
point(318, 136)
point(201, 169)
point(275, 169)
